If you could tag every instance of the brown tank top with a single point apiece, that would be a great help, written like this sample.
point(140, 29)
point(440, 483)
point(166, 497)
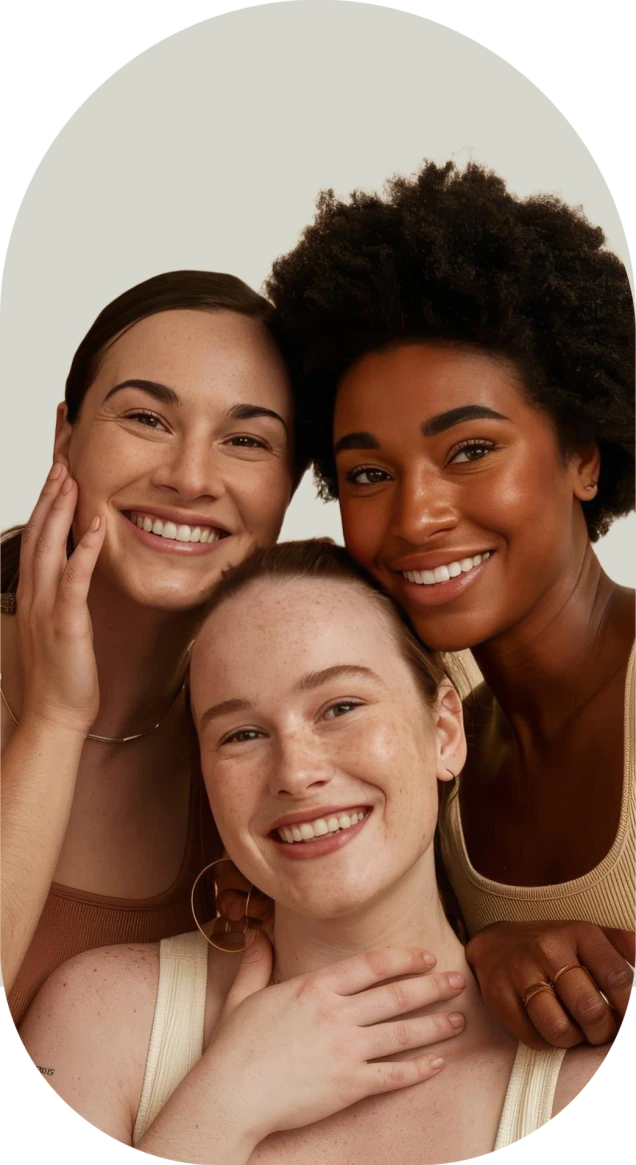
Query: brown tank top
point(73, 921)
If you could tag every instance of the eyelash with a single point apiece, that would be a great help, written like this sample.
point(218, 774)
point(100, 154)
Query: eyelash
point(240, 440)
point(253, 733)
point(470, 443)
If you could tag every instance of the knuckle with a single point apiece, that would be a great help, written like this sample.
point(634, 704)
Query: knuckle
point(556, 1028)
point(620, 976)
point(398, 996)
point(396, 1075)
point(377, 962)
point(590, 1008)
point(401, 1035)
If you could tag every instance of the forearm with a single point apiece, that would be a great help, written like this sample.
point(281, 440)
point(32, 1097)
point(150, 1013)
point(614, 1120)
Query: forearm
point(207, 1119)
point(39, 771)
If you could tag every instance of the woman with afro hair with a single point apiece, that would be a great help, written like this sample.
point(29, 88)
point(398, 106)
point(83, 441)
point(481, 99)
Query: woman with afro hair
point(463, 361)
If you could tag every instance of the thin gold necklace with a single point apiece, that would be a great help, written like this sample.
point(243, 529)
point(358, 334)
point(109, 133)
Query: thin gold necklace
point(111, 739)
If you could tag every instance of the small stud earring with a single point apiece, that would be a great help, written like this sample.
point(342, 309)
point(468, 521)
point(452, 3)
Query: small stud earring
point(592, 485)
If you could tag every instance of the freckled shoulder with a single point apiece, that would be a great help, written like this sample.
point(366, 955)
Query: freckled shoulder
point(91, 1024)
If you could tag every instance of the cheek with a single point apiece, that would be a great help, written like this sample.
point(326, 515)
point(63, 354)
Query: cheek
point(363, 528)
point(262, 493)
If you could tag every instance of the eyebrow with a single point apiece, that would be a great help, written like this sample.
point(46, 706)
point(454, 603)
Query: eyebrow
point(356, 441)
point(443, 421)
point(307, 683)
point(166, 395)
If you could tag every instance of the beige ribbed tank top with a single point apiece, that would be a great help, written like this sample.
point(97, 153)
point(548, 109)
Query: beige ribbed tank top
point(176, 1043)
point(605, 896)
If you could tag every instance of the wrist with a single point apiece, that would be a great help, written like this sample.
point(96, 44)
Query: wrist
point(52, 725)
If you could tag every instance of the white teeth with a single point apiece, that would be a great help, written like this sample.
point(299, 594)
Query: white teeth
point(318, 828)
point(181, 533)
point(442, 574)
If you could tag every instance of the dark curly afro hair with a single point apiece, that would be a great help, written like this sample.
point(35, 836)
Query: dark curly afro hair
point(453, 256)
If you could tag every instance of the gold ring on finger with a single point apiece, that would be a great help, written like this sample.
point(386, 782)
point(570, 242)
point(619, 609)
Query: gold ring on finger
point(564, 971)
point(534, 989)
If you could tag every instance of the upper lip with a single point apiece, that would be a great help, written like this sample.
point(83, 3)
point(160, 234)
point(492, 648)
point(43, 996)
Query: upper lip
point(431, 560)
point(313, 814)
point(179, 517)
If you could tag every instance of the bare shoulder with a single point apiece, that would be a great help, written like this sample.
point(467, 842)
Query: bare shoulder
point(578, 1067)
point(90, 1024)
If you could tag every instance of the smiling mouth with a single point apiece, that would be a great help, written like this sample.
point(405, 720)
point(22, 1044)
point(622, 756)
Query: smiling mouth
point(173, 531)
point(443, 574)
point(319, 827)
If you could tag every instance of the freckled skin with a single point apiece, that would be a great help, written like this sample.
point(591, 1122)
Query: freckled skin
point(366, 756)
point(213, 360)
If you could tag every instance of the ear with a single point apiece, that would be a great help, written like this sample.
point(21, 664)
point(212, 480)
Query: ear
point(585, 466)
point(451, 739)
point(63, 431)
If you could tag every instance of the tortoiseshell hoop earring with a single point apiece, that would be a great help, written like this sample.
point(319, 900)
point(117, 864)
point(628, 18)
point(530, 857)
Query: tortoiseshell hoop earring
point(224, 922)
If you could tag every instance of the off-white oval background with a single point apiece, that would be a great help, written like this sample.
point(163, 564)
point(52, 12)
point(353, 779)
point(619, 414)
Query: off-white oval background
point(208, 151)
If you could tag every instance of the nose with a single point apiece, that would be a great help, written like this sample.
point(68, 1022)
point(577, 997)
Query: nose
point(299, 767)
point(191, 468)
point(423, 506)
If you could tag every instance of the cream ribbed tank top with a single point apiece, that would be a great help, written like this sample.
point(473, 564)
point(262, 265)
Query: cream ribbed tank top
point(605, 896)
point(176, 1043)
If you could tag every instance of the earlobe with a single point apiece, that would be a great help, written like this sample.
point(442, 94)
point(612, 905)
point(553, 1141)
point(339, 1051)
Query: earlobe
point(451, 739)
point(63, 431)
point(586, 466)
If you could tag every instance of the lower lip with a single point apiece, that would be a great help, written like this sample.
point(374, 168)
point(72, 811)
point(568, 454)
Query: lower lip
point(436, 594)
point(303, 851)
point(170, 545)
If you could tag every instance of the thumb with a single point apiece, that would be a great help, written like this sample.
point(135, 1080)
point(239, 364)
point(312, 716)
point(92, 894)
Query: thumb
point(254, 972)
point(622, 941)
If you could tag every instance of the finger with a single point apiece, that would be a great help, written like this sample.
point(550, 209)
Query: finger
point(78, 572)
point(231, 904)
point(31, 531)
point(368, 969)
point(580, 995)
point(623, 941)
point(385, 1039)
point(552, 1021)
point(404, 995)
point(378, 1078)
point(254, 973)
point(508, 1007)
point(49, 558)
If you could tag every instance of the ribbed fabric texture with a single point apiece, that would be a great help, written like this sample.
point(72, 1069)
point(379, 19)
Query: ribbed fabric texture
point(176, 1041)
point(605, 896)
point(73, 921)
point(530, 1094)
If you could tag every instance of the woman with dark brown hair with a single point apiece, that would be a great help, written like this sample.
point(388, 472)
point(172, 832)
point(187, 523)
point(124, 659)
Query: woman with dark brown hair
point(465, 364)
point(173, 459)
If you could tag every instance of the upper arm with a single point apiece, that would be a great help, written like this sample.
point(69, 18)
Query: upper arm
point(90, 1026)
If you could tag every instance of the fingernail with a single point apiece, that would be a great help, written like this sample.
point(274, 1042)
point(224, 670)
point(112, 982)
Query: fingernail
point(68, 485)
point(428, 959)
point(456, 980)
point(437, 1064)
point(56, 471)
point(456, 1019)
point(95, 524)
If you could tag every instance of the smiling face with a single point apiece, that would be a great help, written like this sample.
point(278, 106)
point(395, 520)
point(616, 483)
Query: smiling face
point(454, 492)
point(318, 753)
point(183, 442)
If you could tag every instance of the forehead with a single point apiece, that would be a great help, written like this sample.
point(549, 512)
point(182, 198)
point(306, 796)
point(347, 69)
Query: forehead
point(274, 631)
point(426, 379)
point(195, 349)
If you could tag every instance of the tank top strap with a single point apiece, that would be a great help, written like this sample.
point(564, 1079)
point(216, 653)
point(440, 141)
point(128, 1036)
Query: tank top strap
point(176, 1040)
point(530, 1093)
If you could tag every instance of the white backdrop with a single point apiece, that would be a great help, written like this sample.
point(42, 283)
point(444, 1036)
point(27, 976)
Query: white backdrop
point(208, 151)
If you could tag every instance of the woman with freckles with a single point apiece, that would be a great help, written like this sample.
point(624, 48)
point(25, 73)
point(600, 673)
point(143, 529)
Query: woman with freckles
point(173, 458)
point(324, 731)
point(464, 366)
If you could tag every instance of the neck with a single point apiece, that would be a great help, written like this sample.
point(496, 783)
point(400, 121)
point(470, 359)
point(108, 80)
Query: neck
point(408, 914)
point(141, 657)
point(550, 663)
